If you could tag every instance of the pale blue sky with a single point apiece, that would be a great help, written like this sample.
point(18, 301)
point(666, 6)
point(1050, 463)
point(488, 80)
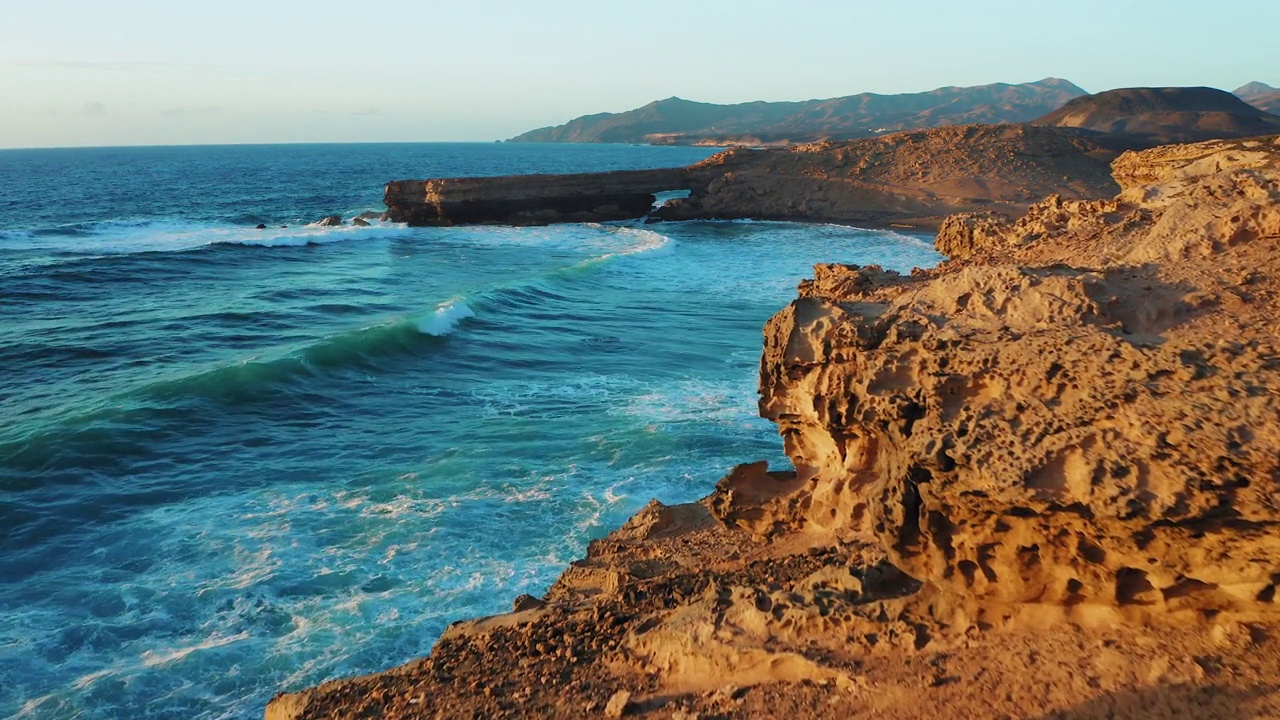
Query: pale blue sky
point(129, 72)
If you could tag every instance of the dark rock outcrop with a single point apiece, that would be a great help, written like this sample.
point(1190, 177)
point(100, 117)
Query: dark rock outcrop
point(530, 199)
point(330, 221)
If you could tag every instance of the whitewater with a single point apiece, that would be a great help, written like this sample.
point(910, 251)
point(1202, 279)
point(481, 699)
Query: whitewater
point(239, 461)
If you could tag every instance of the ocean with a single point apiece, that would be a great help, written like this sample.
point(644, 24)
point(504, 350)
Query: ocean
point(239, 461)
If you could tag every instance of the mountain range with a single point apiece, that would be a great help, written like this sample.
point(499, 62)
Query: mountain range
point(1166, 114)
point(675, 121)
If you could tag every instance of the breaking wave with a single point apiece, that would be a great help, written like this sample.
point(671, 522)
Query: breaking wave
point(124, 237)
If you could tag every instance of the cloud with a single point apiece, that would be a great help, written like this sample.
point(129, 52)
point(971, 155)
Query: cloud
point(93, 109)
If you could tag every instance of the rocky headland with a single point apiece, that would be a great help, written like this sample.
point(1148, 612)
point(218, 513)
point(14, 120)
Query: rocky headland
point(1041, 480)
point(915, 178)
point(529, 199)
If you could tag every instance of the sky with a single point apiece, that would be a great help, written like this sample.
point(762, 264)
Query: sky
point(137, 72)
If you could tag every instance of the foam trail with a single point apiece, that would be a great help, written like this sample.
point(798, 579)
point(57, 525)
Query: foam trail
point(122, 237)
point(649, 243)
point(446, 317)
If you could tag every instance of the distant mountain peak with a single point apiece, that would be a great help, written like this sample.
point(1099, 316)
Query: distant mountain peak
point(1253, 88)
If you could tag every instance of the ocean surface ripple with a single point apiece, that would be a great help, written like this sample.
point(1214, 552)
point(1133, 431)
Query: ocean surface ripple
point(237, 461)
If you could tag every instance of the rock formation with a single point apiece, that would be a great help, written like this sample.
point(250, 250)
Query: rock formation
point(1145, 117)
point(914, 178)
point(529, 199)
point(675, 121)
point(1040, 481)
point(1080, 411)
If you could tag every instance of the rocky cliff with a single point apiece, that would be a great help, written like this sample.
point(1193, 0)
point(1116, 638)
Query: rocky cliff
point(1039, 481)
point(684, 122)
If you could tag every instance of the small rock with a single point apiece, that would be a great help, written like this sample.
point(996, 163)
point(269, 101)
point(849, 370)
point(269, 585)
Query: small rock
point(618, 704)
point(260, 226)
point(331, 221)
point(526, 602)
point(360, 222)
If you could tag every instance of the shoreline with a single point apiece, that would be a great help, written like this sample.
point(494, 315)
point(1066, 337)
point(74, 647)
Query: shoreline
point(946, 545)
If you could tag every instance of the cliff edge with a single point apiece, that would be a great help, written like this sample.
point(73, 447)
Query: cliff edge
point(1039, 481)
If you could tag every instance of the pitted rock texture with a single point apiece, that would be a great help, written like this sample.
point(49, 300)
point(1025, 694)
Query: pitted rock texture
point(1082, 410)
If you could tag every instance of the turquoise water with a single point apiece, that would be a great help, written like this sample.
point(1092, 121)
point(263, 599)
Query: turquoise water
point(235, 461)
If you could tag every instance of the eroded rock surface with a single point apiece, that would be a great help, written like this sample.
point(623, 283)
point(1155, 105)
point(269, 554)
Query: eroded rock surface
point(1039, 481)
point(1085, 412)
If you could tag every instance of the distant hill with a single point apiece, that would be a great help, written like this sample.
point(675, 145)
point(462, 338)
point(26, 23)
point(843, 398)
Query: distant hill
point(1260, 95)
point(684, 122)
point(1164, 115)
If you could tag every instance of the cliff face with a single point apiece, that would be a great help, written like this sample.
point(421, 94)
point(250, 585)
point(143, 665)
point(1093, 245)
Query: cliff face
point(1040, 481)
point(1085, 416)
point(683, 122)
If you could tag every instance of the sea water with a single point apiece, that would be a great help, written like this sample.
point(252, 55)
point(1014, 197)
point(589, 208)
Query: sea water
point(238, 461)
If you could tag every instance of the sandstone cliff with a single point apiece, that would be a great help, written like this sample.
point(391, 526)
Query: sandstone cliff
point(1039, 481)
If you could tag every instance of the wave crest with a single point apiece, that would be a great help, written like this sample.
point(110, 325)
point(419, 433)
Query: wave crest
point(446, 317)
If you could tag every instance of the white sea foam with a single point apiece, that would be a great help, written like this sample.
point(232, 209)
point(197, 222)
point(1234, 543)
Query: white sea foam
point(644, 241)
point(152, 658)
point(128, 237)
point(446, 317)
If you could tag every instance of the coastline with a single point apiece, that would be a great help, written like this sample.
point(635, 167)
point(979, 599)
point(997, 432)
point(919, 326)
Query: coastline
point(980, 521)
point(913, 178)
